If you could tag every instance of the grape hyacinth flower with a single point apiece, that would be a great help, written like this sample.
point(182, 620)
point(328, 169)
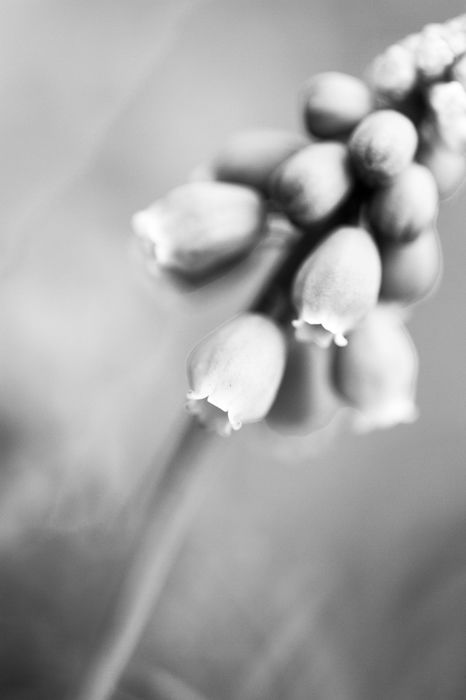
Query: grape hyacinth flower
point(336, 286)
point(382, 146)
point(377, 373)
point(235, 372)
point(393, 74)
point(334, 103)
point(201, 225)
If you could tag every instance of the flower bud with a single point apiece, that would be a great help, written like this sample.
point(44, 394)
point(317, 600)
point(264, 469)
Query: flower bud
point(314, 183)
point(377, 372)
point(305, 401)
point(434, 54)
point(458, 72)
point(336, 286)
point(455, 34)
point(411, 271)
point(447, 107)
point(393, 74)
point(455, 30)
point(448, 166)
point(235, 371)
point(334, 103)
point(382, 146)
point(200, 225)
point(405, 207)
point(250, 157)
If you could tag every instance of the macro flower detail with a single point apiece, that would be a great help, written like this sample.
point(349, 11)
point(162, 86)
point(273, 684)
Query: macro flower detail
point(314, 183)
point(434, 52)
point(447, 105)
point(407, 206)
point(377, 372)
point(411, 271)
point(234, 373)
point(334, 103)
point(382, 146)
point(201, 225)
point(336, 286)
point(393, 74)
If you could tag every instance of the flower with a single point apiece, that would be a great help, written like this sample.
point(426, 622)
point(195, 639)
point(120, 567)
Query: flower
point(411, 271)
point(201, 225)
point(393, 73)
point(382, 146)
point(234, 373)
point(447, 105)
point(336, 286)
point(377, 372)
point(314, 183)
point(306, 401)
point(407, 206)
point(334, 103)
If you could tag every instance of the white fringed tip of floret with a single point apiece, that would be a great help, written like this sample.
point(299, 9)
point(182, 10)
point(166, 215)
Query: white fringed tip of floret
point(149, 227)
point(211, 415)
point(320, 332)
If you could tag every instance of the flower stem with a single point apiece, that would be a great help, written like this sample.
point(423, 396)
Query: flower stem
point(171, 503)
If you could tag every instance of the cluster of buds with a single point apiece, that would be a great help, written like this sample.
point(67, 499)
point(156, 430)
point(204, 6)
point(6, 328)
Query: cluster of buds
point(360, 190)
point(424, 76)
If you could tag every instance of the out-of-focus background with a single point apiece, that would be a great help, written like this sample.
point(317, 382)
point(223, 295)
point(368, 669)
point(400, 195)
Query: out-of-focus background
point(328, 568)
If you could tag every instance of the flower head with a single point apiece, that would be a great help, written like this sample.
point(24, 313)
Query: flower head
point(200, 225)
point(336, 286)
point(377, 372)
point(235, 372)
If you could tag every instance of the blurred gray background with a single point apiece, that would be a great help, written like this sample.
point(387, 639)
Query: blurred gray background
point(320, 569)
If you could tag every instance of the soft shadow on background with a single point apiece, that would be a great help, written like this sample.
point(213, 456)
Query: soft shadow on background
point(330, 570)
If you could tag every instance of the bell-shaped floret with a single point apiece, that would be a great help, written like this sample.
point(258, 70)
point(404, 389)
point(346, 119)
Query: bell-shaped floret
point(377, 372)
point(336, 286)
point(201, 225)
point(234, 373)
